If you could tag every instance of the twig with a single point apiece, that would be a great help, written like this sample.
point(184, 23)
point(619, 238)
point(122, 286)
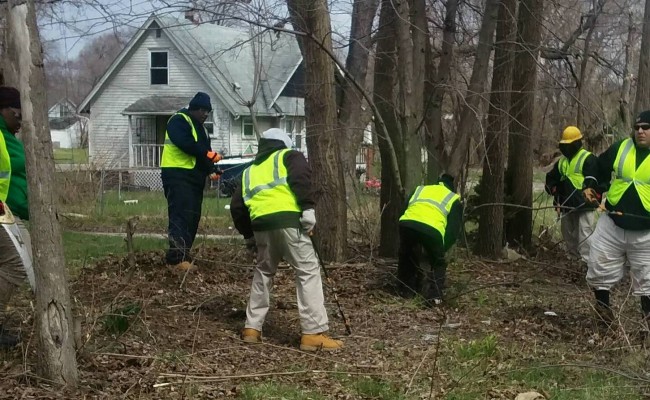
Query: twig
point(208, 378)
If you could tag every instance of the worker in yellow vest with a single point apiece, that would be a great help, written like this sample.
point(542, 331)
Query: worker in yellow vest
point(273, 208)
point(623, 235)
point(432, 221)
point(576, 169)
point(187, 160)
point(13, 193)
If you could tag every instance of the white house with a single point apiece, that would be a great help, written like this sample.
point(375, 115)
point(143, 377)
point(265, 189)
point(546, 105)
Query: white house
point(62, 109)
point(67, 132)
point(171, 59)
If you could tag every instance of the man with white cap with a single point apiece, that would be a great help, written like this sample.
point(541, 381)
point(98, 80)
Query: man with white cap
point(273, 208)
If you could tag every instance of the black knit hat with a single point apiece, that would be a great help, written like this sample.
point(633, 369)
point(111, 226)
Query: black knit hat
point(200, 101)
point(9, 97)
point(643, 118)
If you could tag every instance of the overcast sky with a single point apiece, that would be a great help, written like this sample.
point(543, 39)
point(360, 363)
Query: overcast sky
point(71, 23)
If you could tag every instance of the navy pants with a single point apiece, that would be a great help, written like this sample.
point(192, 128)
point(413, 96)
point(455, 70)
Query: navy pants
point(184, 199)
point(429, 282)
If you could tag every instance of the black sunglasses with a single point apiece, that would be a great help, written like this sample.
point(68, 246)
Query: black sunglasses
point(645, 127)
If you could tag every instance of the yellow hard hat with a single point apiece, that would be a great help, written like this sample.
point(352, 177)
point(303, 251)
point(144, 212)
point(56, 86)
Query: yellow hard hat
point(571, 134)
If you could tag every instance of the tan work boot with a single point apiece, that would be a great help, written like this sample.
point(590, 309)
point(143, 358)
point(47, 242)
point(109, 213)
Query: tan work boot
point(250, 335)
point(181, 267)
point(319, 341)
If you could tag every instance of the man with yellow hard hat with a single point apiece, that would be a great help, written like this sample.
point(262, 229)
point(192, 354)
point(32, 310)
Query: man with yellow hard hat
point(574, 171)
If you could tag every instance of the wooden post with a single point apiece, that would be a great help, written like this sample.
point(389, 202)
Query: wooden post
point(130, 133)
point(53, 311)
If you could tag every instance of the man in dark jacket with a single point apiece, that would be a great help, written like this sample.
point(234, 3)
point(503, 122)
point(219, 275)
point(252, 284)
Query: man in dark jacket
point(575, 170)
point(187, 160)
point(623, 235)
point(432, 220)
point(273, 208)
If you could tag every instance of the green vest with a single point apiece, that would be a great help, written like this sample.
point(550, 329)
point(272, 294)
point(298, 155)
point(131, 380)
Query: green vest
point(265, 188)
point(626, 175)
point(572, 170)
point(5, 169)
point(172, 156)
point(430, 205)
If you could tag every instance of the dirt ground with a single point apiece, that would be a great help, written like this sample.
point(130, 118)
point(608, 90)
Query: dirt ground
point(148, 334)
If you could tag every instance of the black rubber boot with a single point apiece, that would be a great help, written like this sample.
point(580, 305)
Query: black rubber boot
point(603, 307)
point(8, 340)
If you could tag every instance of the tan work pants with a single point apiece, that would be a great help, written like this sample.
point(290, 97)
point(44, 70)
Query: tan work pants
point(12, 271)
point(577, 228)
point(296, 248)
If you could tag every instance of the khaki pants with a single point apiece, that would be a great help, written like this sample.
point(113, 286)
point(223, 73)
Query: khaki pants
point(612, 250)
point(296, 248)
point(577, 228)
point(12, 271)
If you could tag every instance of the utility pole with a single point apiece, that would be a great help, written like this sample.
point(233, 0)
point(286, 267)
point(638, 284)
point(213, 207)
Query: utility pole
point(53, 312)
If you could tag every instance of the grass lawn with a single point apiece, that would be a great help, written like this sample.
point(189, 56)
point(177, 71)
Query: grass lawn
point(71, 156)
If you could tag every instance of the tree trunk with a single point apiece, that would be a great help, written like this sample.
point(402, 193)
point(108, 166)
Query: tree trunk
point(352, 119)
point(624, 102)
point(312, 17)
point(584, 64)
point(642, 101)
point(53, 311)
point(490, 228)
point(519, 175)
point(458, 156)
point(435, 88)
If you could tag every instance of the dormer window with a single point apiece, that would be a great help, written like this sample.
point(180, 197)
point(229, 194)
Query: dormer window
point(159, 67)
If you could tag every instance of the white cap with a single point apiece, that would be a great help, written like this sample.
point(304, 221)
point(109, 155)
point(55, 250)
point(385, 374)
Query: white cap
point(278, 134)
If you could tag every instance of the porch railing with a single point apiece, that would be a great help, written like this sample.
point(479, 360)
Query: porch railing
point(146, 155)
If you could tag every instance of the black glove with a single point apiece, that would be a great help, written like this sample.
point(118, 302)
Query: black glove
point(251, 245)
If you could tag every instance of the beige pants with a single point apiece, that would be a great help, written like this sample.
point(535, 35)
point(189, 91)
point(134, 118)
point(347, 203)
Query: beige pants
point(296, 248)
point(12, 271)
point(612, 250)
point(577, 228)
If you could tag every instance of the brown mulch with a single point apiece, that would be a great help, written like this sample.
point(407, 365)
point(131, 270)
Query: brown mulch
point(181, 340)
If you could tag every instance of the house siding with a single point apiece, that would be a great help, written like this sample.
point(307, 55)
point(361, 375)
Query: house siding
point(109, 128)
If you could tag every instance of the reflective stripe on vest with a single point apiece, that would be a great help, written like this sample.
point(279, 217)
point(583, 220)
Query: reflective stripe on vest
point(627, 174)
point(431, 205)
point(174, 157)
point(265, 189)
point(572, 170)
point(5, 169)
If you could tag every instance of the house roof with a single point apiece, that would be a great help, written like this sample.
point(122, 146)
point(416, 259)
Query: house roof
point(64, 101)
point(226, 58)
point(152, 105)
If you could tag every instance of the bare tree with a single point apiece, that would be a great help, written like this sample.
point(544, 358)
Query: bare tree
point(312, 17)
point(519, 175)
point(642, 101)
point(624, 102)
point(53, 311)
point(492, 188)
point(470, 115)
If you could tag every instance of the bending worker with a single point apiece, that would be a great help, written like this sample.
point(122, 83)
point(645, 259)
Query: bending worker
point(187, 160)
point(576, 169)
point(273, 208)
point(431, 221)
point(624, 233)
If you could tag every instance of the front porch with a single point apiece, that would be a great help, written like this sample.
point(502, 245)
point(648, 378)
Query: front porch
point(146, 128)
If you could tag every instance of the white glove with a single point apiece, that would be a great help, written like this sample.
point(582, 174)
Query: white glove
point(308, 219)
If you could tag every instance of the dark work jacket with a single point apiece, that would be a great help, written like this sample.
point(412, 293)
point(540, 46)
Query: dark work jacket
point(567, 195)
point(180, 134)
point(630, 203)
point(452, 231)
point(299, 181)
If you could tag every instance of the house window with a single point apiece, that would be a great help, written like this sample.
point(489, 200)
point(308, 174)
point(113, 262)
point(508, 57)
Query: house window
point(247, 129)
point(159, 68)
point(209, 128)
point(297, 141)
point(158, 33)
point(292, 125)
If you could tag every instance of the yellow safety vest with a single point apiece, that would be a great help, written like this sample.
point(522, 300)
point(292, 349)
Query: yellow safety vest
point(5, 169)
point(265, 188)
point(431, 205)
point(572, 170)
point(172, 156)
point(626, 175)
